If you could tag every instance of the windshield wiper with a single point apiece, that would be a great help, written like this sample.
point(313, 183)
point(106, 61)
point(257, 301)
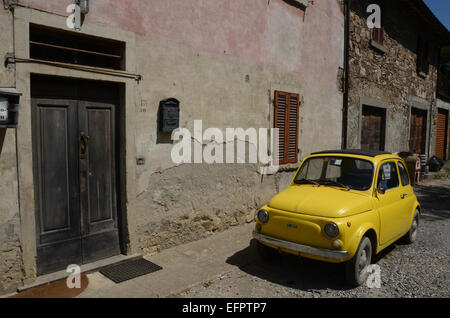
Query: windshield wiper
point(301, 181)
point(335, 183)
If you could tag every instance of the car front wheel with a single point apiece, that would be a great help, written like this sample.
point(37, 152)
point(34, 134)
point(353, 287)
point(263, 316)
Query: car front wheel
point(356, 269)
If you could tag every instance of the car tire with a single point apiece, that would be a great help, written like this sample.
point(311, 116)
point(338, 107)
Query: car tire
point(266, 253)
point(411, 236)
point(356, 269)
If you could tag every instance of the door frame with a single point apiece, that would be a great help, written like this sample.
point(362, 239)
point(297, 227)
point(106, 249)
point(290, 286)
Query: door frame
point(424, 137)
point(120, 170)
point(418, 103)
point(364, 101)
point(383, 126)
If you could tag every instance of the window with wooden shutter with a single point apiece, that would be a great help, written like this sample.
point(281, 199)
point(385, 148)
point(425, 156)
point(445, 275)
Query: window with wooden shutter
point(286, 120)
point(378, 35)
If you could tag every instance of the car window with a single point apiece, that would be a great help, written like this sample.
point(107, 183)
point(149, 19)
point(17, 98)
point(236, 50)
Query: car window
point(312, 169)
point(403, 174)
point(349, 172)
point(388, 176)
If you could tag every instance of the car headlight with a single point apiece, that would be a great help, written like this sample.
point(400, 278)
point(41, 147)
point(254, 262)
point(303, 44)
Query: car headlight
point(263, 216)
point(331, 230)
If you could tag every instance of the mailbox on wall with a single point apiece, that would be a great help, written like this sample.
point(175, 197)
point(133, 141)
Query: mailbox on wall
point(9, 107)
point(169, 115)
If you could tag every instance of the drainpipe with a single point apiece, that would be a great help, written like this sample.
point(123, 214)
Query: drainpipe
point(346, 73)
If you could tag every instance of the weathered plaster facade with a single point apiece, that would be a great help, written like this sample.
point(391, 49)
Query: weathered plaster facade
point(388, 77)
point(222, 60)
point(11, 265)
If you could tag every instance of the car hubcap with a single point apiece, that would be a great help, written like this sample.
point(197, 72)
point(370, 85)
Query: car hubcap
point(363, 260)
point(414, 229)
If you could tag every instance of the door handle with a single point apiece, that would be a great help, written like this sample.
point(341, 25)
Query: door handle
point(84, 144)
point(403, 195)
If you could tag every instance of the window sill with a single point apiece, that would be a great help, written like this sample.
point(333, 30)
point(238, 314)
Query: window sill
point(288, 167)
point(378, 47)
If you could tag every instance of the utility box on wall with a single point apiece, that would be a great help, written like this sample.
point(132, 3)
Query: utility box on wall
point(169, 115)
point(9, 107)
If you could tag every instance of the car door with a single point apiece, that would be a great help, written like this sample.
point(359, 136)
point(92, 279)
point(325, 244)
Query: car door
point(390, 204)
point(407, 195)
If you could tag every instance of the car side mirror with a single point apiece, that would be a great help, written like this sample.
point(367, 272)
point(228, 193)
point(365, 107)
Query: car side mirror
point(382, 187)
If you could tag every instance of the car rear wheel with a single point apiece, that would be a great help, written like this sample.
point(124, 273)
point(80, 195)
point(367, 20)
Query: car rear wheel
point(411, 236)
point(356, 269)
point(266, 253)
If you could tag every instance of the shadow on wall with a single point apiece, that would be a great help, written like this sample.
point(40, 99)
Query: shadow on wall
point(2, 138)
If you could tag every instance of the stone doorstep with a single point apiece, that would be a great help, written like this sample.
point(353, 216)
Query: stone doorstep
point(85, 269)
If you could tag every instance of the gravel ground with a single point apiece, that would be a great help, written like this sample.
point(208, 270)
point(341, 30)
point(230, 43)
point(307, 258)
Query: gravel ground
point(418, 270)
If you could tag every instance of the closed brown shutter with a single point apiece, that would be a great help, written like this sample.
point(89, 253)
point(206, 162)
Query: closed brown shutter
point(441, 134)
point(378, 35)
point(286, 120)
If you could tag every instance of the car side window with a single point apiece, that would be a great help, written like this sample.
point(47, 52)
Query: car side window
point(403, 174)
point(388, 176)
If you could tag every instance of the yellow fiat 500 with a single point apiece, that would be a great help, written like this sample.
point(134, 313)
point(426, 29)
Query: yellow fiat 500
point(341, 206)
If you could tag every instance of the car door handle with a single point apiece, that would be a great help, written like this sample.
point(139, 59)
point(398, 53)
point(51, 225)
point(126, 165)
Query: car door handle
point(404, 195)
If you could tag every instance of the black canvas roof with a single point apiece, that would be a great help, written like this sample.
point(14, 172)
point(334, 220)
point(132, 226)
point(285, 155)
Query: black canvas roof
point(367, 153)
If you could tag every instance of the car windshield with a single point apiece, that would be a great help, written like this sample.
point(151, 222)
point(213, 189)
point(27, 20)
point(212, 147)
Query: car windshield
point(345, 172)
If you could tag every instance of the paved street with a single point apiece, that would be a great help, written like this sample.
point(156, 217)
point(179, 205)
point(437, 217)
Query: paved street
point(226, 265)
point(419, 270)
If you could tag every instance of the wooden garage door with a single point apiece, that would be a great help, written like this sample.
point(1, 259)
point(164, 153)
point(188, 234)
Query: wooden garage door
point(417, 141)
point(442, 133)
point(373, 128)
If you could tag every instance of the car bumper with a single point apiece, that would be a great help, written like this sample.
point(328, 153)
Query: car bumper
point(337, 255)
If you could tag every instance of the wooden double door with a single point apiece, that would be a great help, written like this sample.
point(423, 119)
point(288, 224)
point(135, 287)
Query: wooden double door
point(75, 175)
point(373, 131)
point(418, 131)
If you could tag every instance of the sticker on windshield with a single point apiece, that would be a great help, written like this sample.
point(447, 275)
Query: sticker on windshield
point(387, 172)
point(336, 162)
point(3, 109)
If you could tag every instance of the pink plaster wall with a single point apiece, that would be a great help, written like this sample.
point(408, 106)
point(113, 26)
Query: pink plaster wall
point(271, 33)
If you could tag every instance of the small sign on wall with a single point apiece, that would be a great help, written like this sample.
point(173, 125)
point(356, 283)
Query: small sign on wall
point(3, 109)
point(142, 108)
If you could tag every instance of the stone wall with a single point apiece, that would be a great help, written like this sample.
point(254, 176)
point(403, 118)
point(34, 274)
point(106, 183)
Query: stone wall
point(187, 203)
point(389, 77)
point(11, 263)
